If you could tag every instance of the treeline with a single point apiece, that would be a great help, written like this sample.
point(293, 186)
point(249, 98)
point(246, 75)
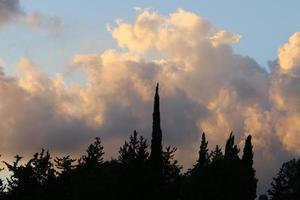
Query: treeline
point(146, 171)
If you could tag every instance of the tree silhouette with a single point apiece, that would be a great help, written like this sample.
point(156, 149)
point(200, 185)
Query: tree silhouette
point(286, 185)
point(66, 168)
point(263, 197)
point(203, 153)
point(247, 160)
point(133, 157)
point(216, 154)
point(94, 156)
point(65, 164)
point(156, 155)
point(89, 172)
point(195, 178)
point(231, 150)
point(172, 176)
point(34, 180)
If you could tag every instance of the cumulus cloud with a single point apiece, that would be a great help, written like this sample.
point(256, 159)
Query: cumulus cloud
point(289, 53)
point(205, 86)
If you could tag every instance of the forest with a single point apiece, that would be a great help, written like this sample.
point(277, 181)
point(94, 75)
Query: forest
point(146, 170)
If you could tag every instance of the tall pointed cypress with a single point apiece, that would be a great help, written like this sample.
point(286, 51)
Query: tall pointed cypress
point(248, 153)
point(231, 150)
point(247, 160)
point(156, 157)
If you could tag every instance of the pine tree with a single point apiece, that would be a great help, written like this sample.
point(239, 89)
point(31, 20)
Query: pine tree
point(66, 169)
point(128, 152)
point(216, 154)
point(133, 156)
point(203, 153)
point(286, 185)
point(65, 164)
point(89, 171)
point(172, 176)
point(231, 150)
point(94, 155)
point(156, 157)
point(171, 166)
point(142, 153)
point(247, 161)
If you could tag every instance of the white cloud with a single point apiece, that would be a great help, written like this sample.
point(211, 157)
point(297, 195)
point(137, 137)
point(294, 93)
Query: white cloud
point(289, 53)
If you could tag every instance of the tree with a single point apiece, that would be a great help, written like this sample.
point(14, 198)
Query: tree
point(65, 164)
point(142, 153)
point(66, 168)
point(216, 154)
point(247, 161)
point(128, 152)
point(172, 176)
point(247, 158)
point(133, 156)
point(89, 171)
point(263, 197)
point(203, 153)
point(2, 187)
point(203, 158)
point(231, 150)
point(134, 152)
point(156, 156)
point(286, 185)
point(42, 167)
point(33, 180)
point(94, 157)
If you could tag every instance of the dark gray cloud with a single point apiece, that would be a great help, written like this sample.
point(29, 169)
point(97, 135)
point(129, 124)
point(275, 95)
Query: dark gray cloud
point(10, 10)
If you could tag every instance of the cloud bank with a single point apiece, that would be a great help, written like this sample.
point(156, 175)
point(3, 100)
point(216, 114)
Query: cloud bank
point(205, 86)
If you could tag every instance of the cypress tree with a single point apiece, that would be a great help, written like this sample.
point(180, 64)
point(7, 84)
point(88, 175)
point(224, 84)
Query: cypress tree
point(156, 157)
point(247, 160)
point(231, 150)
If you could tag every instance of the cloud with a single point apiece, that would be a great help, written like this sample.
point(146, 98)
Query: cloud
point(11, 12)
point(40, 22)
point(205, 86)
point(289, 53)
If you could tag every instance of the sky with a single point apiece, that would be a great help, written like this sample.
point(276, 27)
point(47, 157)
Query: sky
point(74, 70)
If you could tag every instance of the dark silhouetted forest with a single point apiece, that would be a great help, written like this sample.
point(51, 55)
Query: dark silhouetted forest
point(144, 171)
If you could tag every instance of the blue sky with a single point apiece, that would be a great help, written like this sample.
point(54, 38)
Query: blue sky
point(264, 26)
